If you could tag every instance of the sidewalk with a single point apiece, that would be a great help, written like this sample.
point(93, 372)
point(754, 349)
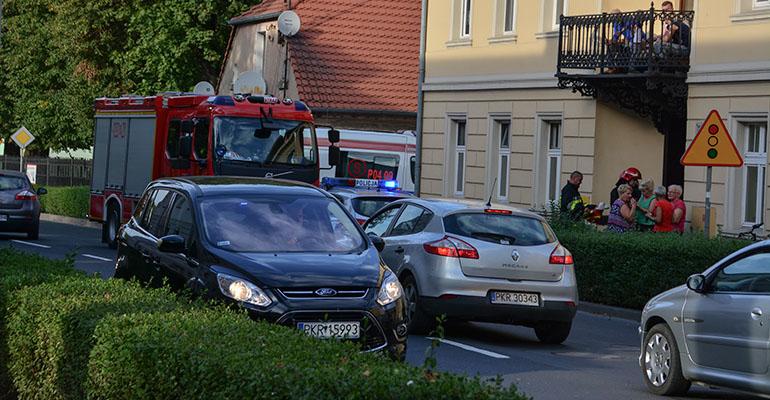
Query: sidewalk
point(70, 221)
point(609, 311)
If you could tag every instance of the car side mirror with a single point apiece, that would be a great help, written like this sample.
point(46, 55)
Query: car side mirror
point(41, 191)
point(696, 283)
point(185, 146)
point(333, 135)
point(377, 241)
point(172, 244)
point(334, 156)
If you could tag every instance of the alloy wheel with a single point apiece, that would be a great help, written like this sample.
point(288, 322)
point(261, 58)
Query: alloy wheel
point(657, 360)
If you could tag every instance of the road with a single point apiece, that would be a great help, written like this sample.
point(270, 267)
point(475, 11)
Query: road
point(598, 360)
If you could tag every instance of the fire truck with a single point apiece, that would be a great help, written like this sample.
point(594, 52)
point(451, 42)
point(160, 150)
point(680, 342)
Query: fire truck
point(139, 139)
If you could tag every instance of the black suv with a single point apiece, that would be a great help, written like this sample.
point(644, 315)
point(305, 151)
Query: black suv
point(286, 251)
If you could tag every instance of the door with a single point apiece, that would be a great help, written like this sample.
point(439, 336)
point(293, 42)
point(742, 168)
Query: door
point(153, 225)
point(180, 268)
point(402, 243)
point(727, 327)
point(379, 225)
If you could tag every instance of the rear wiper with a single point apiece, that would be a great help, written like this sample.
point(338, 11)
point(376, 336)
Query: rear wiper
point(494, 236)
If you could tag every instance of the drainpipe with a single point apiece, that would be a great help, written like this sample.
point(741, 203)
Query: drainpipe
point(420, 100)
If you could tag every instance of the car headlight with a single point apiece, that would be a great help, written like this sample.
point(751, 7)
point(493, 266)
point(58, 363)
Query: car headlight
point(390, 290)
point(242, 290)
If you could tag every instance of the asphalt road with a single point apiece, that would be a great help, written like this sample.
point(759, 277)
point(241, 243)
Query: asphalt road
point(598, 360)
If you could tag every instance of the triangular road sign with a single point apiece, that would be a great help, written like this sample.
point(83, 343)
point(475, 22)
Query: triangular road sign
point(712, 146)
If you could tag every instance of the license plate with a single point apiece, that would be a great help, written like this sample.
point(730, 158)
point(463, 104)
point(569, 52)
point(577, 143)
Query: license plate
point(3, 218)
point(368, 183)
point(337, 330)
point(517, 298)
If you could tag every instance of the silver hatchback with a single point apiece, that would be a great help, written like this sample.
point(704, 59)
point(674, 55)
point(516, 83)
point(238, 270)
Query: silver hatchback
point(475, 263)
point(713, 330)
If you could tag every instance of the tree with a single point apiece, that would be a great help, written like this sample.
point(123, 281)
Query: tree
point(57, 56)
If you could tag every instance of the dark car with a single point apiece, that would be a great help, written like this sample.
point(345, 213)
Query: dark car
point(285, 251)
point(19, 204)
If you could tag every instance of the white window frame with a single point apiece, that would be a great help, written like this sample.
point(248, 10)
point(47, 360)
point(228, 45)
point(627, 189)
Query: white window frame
point(504, 5)
point(757, 160)
point(503, 152)
point(761, 4)
point(556, 13)
point(458, 187)
point(553, 154)
point(466, 16)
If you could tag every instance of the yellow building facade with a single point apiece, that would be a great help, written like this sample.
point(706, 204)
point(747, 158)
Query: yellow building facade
point(496, 122)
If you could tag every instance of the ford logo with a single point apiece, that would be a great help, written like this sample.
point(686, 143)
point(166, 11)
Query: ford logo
point(326, 292)
point(515, 256)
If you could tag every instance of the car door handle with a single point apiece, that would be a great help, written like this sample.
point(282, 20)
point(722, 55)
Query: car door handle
point(399, 250)
point(756, 313)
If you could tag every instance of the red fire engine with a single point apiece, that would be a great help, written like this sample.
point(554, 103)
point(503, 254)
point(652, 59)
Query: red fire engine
point(139, 139)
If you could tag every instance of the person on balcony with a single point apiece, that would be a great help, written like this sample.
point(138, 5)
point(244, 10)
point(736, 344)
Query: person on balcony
point(675, 37)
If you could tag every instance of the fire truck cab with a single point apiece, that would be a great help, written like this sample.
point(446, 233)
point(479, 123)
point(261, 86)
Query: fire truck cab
point(139, 139)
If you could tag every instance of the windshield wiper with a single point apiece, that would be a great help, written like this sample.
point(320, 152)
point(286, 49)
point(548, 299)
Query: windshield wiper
point(494, 236)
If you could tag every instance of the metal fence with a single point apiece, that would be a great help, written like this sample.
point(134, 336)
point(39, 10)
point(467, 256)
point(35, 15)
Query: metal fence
point(54, 171)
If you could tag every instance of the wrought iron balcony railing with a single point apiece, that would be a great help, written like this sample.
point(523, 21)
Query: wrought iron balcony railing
point(644, 42)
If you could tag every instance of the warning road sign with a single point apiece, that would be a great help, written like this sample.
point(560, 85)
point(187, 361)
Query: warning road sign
point(712, 146)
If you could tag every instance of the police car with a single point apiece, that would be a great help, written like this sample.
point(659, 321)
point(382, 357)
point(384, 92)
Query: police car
point(363, 197)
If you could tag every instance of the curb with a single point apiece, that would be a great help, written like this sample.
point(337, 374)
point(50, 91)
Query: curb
point(609, 311)
point(70, 221)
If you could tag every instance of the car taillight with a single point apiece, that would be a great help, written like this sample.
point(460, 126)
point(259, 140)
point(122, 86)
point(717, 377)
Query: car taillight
point(451, 247)
point(561, 256)
point(496, 211)
point(26, 195)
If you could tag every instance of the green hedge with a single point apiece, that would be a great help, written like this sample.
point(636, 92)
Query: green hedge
point(19, 270)
point(81, 337)
point(70, 201)
point(218, 354)
point(628, 269)
point(51, 327)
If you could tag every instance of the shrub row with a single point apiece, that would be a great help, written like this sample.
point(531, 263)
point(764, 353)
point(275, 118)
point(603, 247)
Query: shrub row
point(628, 269)
point(82, 337)
point(70, 201)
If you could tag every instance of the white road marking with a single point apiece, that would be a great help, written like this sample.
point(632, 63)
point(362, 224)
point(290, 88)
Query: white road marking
point(97, 257)
point(31, 244)
point(469, 348)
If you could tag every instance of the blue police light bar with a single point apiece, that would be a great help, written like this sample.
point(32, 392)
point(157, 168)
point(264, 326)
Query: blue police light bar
point(359, 183)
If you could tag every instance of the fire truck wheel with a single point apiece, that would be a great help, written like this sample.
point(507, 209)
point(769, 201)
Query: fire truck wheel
point(110, 227)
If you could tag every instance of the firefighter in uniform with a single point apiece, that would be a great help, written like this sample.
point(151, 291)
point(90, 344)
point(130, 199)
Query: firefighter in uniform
point(571, 201)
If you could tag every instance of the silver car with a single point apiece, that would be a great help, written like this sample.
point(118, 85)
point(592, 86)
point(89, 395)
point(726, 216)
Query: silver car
point(713, 330)
point(475, 263)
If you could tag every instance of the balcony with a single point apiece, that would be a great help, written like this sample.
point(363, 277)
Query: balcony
point(635, 61)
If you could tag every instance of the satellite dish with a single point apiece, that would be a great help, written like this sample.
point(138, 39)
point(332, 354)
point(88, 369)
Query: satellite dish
point(250, 82)
point(288, 23)
point(204, 88)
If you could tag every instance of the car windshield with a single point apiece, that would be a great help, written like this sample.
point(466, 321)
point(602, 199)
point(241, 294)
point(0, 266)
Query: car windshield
point(12, 183)
point(279, 224)
point(367, 206)
point(264, 141)
point(521, 231)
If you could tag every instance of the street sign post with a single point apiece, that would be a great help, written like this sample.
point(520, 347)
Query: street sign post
point(712, 147)
point(22, 138)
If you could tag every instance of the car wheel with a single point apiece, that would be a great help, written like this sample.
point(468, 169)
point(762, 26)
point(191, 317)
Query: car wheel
point(34, 232)
point(417, 319)
point(110, 228)
point(553, 332)
point(662, 368)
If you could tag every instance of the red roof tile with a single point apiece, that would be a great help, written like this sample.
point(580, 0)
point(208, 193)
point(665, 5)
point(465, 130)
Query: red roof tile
point(354, 54)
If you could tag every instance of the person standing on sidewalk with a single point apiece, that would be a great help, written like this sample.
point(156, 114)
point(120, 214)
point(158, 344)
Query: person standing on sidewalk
point(643, 206)
point(571, 201)
point(680, 209)
point(663, 211)
point(630, 176)
point(623, 211)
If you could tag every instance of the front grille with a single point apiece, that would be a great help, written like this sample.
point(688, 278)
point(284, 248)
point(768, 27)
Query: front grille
point(312, 293)
point(372, 336)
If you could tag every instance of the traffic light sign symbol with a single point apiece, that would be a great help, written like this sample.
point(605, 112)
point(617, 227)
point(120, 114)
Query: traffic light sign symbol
point(712, 145)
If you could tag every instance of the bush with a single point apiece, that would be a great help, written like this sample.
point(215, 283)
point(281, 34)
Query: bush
point(18, 270)
point(70, 201)
point(215, 353)
point(51, 326)
point(627, 269)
